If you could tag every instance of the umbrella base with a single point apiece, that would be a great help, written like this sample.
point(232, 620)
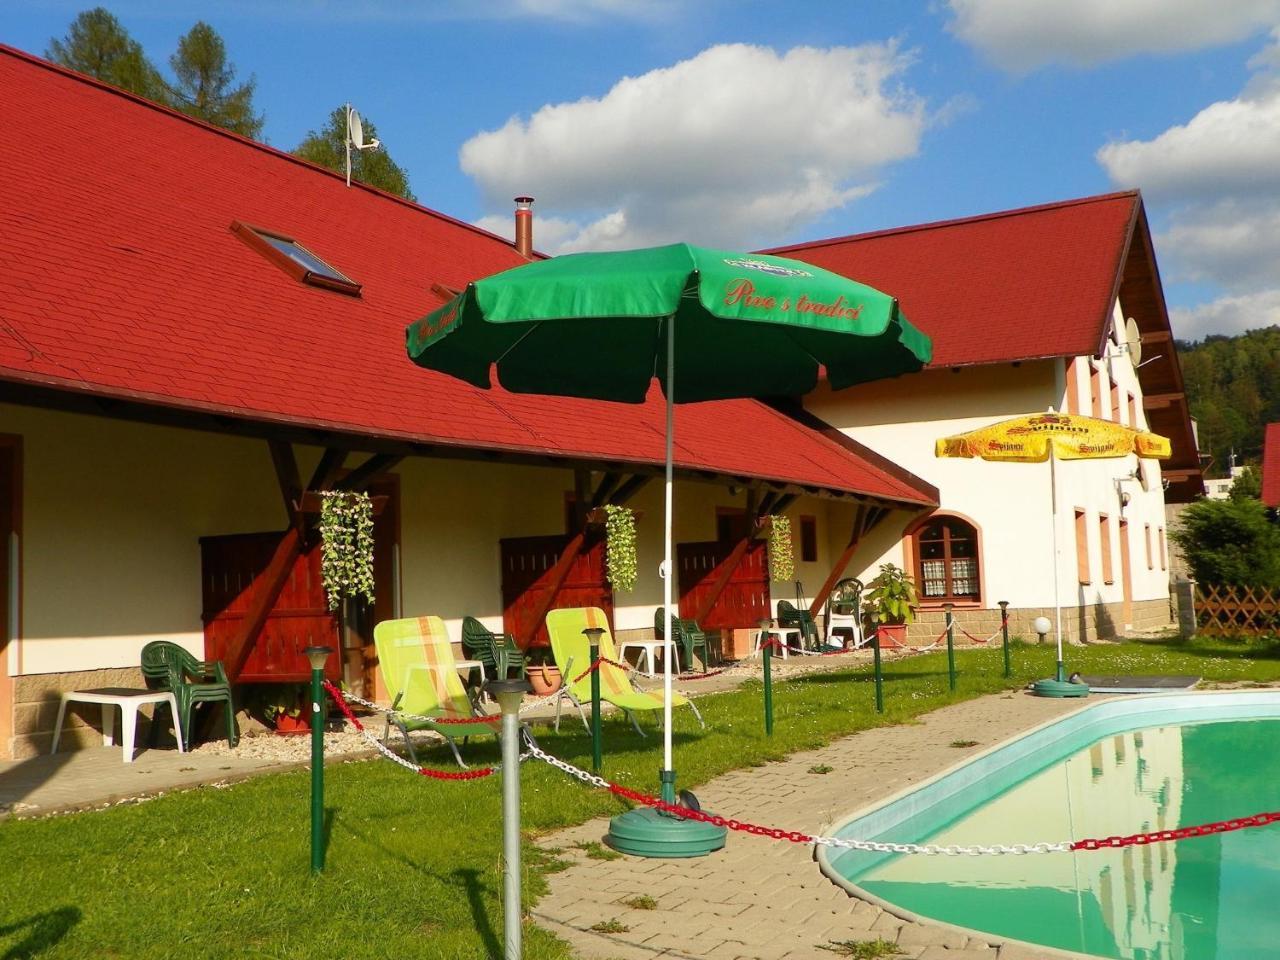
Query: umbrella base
point(645, 832)
point(1059, 688)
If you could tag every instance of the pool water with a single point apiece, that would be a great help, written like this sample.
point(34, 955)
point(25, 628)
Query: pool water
point(1206, 898)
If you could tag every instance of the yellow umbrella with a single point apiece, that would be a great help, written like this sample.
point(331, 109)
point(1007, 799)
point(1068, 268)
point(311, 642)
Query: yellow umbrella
point(1054, 436)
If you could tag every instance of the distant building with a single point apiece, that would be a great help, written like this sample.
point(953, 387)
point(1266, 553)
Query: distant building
point(1271, 465)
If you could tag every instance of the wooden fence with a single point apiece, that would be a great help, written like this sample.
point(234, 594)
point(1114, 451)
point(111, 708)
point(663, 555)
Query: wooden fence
point(1231, 611)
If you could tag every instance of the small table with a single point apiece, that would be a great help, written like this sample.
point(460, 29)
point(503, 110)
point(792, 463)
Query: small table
point(647, 650)
point(780, 634)
point(128, 699)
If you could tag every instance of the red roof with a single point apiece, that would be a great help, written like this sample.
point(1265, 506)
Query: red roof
point(120, 276)
point(1015, 285)
point(1271, 465)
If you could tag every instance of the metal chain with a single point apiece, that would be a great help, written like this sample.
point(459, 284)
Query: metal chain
point(488, 718)
point(790, 835)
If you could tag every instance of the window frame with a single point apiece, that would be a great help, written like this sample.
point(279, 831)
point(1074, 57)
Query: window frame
point(254, 237)
point(808, 538)
point(1104, 540)
point(1084, 569)
point(967, 599)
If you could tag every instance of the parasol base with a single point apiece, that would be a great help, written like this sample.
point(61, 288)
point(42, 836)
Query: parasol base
point(1059, 688)
point(645, 832)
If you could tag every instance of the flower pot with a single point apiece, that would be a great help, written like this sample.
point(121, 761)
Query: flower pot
point(289, 726)
point(891, 636)
point(544, 678)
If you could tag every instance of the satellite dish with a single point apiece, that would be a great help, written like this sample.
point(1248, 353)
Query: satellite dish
point(355, 129)
point(1144, 475)
point(1133, 340)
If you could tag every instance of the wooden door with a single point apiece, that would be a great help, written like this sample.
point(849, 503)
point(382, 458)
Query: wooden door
point(744, 601)
point(10, 578)
point(1126, 575)
point(526, 568)
point(232, 569)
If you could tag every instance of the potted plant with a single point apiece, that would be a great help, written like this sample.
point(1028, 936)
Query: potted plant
point(280, 705)
point(542, 672)
point(890, 604)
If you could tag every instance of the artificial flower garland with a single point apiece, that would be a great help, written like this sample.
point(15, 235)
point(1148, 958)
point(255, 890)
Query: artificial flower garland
point(346, 532)
point(782, 562)
point(620, 547)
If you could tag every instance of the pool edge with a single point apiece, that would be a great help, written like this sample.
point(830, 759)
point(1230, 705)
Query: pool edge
point(1094, 702)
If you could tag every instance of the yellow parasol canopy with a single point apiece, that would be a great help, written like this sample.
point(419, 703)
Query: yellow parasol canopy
point(1029, 439)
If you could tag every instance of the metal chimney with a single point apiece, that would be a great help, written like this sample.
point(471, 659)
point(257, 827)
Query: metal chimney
point(524, 227)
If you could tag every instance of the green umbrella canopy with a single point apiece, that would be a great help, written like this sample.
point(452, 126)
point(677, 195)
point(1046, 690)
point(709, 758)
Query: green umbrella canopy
point(594, 325)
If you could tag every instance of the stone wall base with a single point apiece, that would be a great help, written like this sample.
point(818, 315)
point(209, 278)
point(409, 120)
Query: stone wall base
point(1079, 624)
point(35, 709)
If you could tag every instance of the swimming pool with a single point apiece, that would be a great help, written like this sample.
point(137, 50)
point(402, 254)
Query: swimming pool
point(1116, 767)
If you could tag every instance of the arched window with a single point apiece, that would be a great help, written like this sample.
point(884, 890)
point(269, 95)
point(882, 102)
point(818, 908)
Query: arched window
point(946, 549)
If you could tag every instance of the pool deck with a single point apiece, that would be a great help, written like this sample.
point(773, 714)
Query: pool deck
point(761, 899)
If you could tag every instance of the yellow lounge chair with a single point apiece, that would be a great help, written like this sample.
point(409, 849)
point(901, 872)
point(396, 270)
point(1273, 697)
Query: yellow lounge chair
point(572, 651)
point(421, 676)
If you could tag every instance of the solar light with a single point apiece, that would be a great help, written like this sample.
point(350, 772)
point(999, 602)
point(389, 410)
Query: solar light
point(1042, 626)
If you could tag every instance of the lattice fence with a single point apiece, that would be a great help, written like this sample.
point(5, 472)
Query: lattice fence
point(1230, 611)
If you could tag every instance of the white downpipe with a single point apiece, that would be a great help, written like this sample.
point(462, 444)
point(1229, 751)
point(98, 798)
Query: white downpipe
point(668, 569)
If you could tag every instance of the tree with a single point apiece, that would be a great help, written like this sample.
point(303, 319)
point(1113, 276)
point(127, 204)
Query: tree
point(1248, 485)
point(98, 45)
point(327, 147)
point(1230, 542)
point(205, 83)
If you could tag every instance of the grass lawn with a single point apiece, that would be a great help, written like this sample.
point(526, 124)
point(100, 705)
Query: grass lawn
point(413, 865)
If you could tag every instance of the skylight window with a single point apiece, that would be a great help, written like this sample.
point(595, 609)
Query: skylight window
point(295, 259)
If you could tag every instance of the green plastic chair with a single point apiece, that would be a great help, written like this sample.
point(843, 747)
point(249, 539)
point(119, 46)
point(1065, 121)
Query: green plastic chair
point(421, 676)
point(167, 666)
point(497, 651)
point(572, 650)
point(799, 619)
point(688, 635)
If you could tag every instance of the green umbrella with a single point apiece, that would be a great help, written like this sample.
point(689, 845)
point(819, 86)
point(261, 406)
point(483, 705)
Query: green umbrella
point(709, 324)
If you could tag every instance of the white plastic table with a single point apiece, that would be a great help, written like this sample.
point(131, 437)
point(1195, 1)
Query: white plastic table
point(647, 650)
point(128, 699)
point(780, 634)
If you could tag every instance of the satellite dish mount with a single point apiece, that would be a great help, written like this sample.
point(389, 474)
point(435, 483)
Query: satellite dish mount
point(355, 137)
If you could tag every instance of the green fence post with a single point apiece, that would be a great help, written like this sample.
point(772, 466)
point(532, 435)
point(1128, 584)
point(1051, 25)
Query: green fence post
point(317, 656)
point(951, 646)
point(766, 646)
point(1004, 628)
point(875, 652)
point(597, 747)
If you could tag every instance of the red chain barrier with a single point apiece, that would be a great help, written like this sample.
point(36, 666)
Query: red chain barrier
point(972, 637)
point(336, 695)
point(772, 643)
point(1182, 833)
point(597, 664)
point(697, 676)
point(794, 836)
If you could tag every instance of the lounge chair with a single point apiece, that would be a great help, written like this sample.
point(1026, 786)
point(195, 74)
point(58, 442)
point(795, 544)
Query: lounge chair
point(799, 619)
point(497, 651)
point(572, 651)
point(421, 676)
point(687, 634)
point(167, 666)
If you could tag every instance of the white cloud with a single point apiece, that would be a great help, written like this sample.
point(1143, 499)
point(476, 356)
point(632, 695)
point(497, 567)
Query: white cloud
point(738, 145)
point(1229, 315)
point(1021, 35)
point(1216, 179)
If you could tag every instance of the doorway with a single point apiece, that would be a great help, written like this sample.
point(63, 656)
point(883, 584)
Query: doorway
point(10, 578)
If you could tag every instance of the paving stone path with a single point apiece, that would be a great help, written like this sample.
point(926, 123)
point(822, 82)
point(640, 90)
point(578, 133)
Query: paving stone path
point(761, 899)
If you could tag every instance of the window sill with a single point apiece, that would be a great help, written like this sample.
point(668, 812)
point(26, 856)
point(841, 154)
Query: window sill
point(934, 604)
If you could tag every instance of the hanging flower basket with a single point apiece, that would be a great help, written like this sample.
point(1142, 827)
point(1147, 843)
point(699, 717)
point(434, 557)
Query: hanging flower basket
point(346, 532)
point(620, 547)
point(782, 561)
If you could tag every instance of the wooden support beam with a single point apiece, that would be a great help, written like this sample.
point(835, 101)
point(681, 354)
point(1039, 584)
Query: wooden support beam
point(361, 475)
point(286, 466)
point(864, 520)
point(780, 505)
point(608, 483)
point(273, 580)
point(327, 469)
point(629, 489)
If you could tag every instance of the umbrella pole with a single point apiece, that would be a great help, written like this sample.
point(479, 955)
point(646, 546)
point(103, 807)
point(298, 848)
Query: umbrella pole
point(645, 831)
point(668, 573)
point(1058, 686)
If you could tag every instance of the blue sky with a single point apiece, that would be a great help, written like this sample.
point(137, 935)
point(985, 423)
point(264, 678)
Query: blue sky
point(749, 124)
